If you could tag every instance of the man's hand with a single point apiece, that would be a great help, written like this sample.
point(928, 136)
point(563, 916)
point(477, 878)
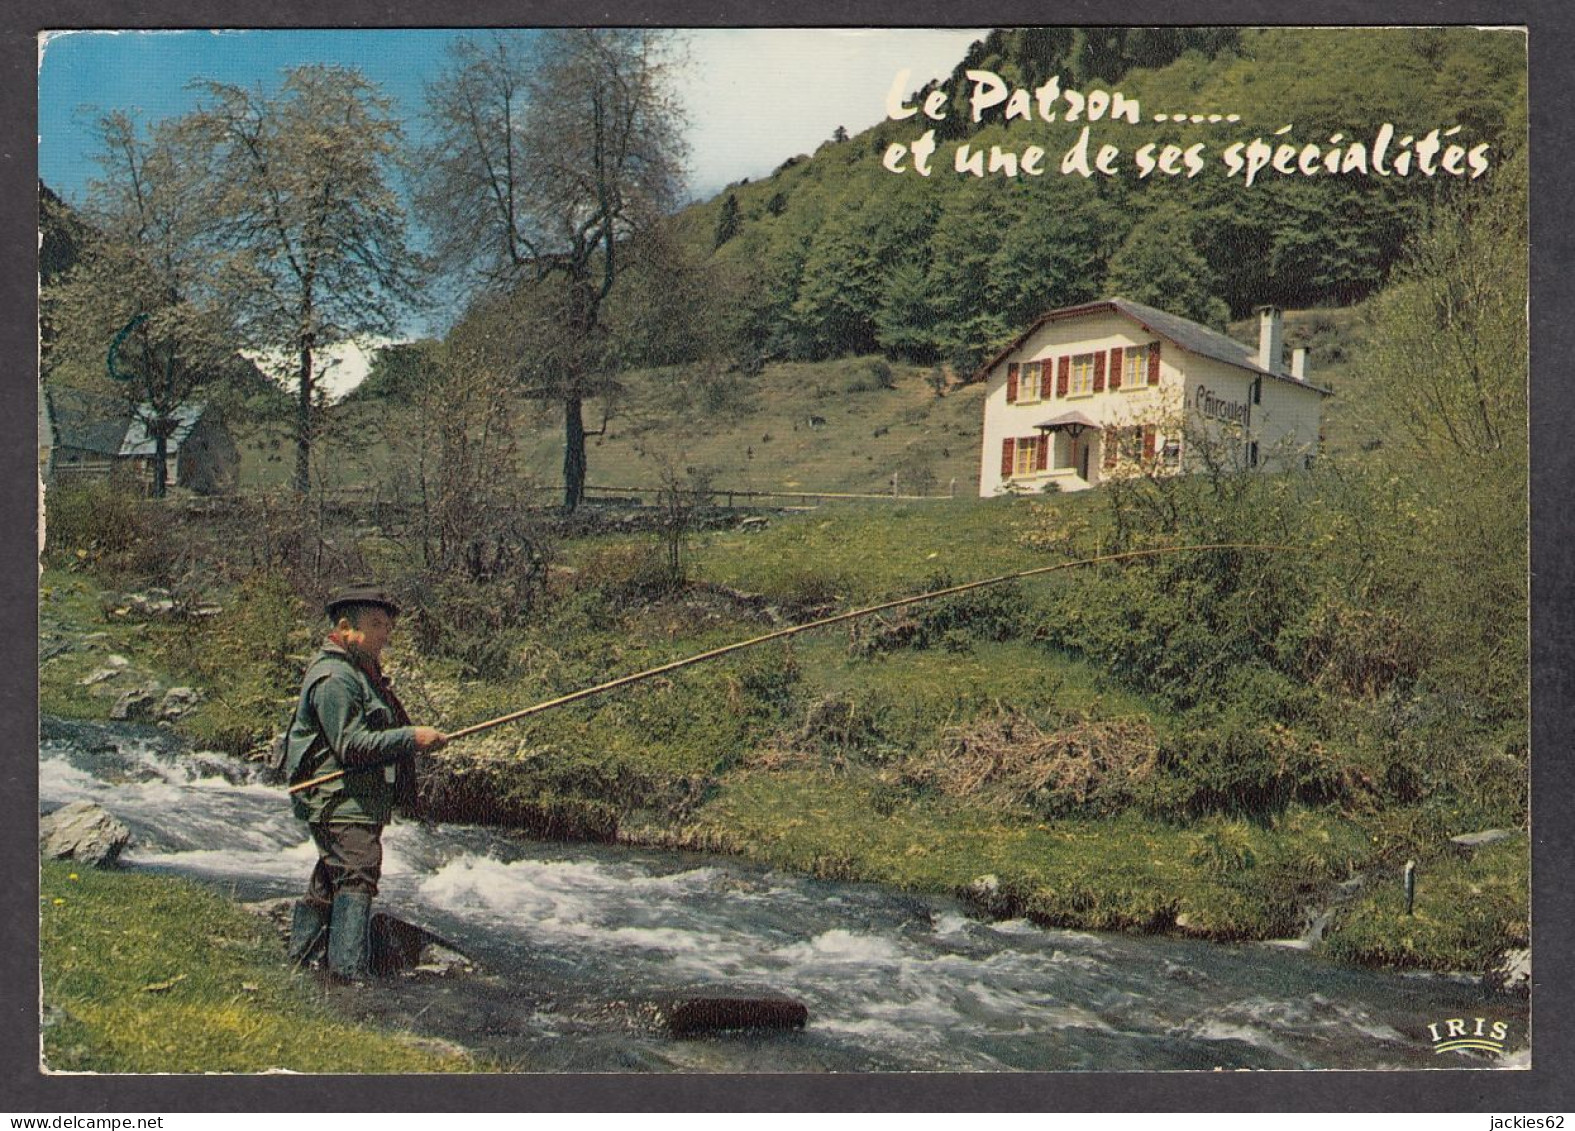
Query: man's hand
point(429, 740)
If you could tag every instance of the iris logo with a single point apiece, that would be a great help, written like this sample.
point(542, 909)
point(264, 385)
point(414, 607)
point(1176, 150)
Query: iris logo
point(1474, 1033)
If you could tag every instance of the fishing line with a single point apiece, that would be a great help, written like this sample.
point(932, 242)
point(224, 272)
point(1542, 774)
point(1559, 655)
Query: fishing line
point(781, 634)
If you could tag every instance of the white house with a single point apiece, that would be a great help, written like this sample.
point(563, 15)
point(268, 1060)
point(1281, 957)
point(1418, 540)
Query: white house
point(1092, 391)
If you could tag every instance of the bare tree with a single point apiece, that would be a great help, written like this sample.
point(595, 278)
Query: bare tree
point(307, 234)
point(552, 152)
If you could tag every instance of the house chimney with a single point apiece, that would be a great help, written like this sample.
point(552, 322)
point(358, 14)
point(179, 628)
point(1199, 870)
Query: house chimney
point(1299, 363)
point(1271, 339)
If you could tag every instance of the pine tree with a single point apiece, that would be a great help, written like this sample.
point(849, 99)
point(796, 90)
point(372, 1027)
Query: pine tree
point(727, 222)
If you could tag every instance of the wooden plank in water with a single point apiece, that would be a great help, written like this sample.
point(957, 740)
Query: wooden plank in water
point(690, 1015)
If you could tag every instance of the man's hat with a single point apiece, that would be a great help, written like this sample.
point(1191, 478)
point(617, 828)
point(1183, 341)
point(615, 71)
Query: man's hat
point(364, 593)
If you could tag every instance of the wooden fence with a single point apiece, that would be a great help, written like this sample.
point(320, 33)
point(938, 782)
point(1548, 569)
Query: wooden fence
point(374, 500)
point(731, 497)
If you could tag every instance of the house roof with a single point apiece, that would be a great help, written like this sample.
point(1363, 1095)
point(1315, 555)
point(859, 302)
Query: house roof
point(105, 425)
point(1184, 332)
point(139, 443)
point(86, 421)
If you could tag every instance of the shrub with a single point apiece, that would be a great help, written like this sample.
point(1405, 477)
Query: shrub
point(766, 682)
point(467, 600)
point(1224, 850)
point(1360, 651)
point(472, 622)
point(993, 613)
point(250, 659)
point(1246, 769)
point(806, 590)
point(107, 526)
point(838, 726)
point(873, 375)
point(91, 519)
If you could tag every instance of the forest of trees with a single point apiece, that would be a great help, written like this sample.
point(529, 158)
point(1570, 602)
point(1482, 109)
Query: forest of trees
point(845, 257)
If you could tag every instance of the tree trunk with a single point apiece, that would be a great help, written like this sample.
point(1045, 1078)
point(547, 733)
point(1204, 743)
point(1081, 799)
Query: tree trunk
point(160, 462)
point(573, 453)
point(303, 424)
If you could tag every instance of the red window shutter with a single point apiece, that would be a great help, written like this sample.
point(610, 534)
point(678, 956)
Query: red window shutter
point(1006, 458)
point(1042, 456)
point(1011, 383)
point(1063, 375)
point(1148, 442)
point(1115, 368)
point(1099, 372)
point(1153, 363)
point(1112, 442)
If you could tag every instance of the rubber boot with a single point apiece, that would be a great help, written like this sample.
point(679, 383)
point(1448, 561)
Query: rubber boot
point(308, 933)
point(349, 936)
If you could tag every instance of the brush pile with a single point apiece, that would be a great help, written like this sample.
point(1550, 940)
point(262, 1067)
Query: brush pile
point(1087, 765)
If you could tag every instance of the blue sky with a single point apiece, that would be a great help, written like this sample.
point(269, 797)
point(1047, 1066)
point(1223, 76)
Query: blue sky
point(754, 96)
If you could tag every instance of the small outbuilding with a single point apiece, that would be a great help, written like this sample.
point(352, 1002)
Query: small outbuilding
point(1108, 388)
point(201, 455)
point(83, 435)
point(79, 434)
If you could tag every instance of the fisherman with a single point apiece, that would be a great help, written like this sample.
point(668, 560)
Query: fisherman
point(349, 719)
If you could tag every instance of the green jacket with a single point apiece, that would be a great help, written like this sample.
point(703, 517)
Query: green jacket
point(345, 720)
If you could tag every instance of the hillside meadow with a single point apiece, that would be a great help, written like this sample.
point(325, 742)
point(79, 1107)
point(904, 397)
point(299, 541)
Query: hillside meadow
point(842, 425)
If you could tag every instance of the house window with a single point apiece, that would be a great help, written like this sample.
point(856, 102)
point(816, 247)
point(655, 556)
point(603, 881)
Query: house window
point(1134, 368)
point(1030, 381)
point(1252, 453)
point(1082, 382)
point(1132, 445)
point(1025, 455)
point(1171, 453)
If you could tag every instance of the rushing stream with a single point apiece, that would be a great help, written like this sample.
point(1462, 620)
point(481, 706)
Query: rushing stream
point(571, 940)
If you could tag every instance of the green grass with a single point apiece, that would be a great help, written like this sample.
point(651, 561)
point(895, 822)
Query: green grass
point(1125, 873)
point(798, 426)
point(149, 974)
point(69, 608)
point(871, 551)
point(1467, 909)
point(902, 703)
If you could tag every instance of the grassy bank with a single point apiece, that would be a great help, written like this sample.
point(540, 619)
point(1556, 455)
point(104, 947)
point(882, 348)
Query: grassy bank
point(149, 974)
point(1468, 909)
point(1216, 879)
point(928, 750)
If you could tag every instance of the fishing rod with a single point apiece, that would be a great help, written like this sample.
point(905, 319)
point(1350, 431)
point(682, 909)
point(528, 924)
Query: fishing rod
point(783, 633)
